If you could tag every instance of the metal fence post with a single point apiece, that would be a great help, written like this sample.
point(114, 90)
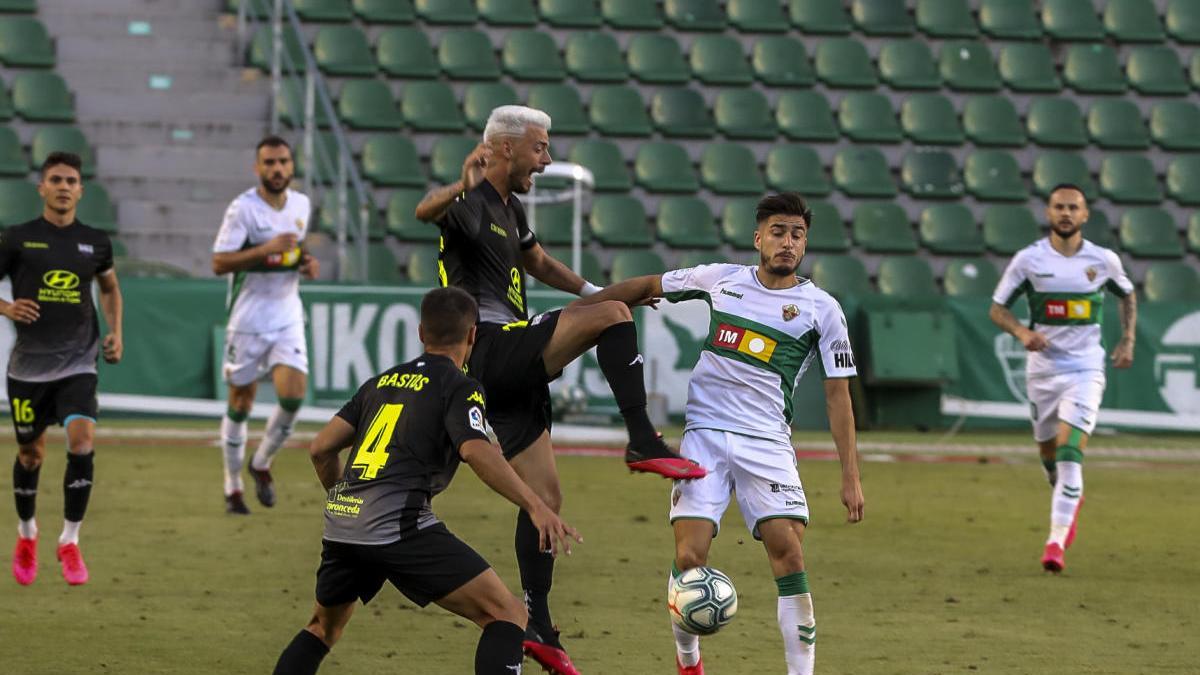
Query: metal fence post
point(341, 215)
point(276, 58)
point(310, 166)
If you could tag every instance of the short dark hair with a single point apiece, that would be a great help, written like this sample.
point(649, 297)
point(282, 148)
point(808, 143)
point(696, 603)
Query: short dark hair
point(58, 157)
point(786, 203)
point(1066, 186)
point(447, 315)
point(272, 142)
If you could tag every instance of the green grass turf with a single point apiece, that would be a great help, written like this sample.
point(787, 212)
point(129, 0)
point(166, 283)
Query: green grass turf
point(942, 577)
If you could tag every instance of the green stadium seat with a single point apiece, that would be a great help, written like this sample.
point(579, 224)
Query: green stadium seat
point(368, 104)
point(930, 119)
point(589, 264)
point(630, 264)
point(1056, 122)
point(631, 14)
point(1171, 282)
point(756, 16)
point(1071, 20)
point(993, 175)
point(401, 221)
point(323, 169)
point(882, 227)
point(1193, 233)
point(532, 55)
point(946, 19)
point(738, 223)
point(42, 97)
point(431, 106)
point(467, 55)
point(797, 168)
point(991, 119)
point(1098, 230)
point(392, 160)
point(826, 232)
point(1058, 167)
point(334, 11)
point(1029, 67)
point(421, 266)
point(687, 222)
point(695, 15)
point(844, 63)
point(553, 224)
point(619, 220)
point(863, 172)
point(119, 251)
point(1129, 179)
point(931, 174)
point(968, 66)
point(908, 64)
point(96, 208)
point(618, 110)
point(698, 258)
point(18, 6)
point(327, 216)
point(718, 59)
point(664, 167)
point(446, 158)
point(603, 158)
point(1194, 70)
point(1183, 180)
point(867, 117)
point(19, 202)
point(481, 98)
point(656, 59)
point(594, 56)
point(455, 12)
point(1117, 124)
point(822, 17)
point(1093, 69)
point(1150, 232)
point(681, 112)
point(1009, 19)
point(1008, 228)
point(6, 105)
point(508, 12)
point(1133, 21)
point(970, 278)
point(1174, 125)
point(1156, 71)
point(384, 269)
point(570, 13)
point(385, 11)
point(291, 105)
point(744, 113)
point(1183, 21)
point(54, 138)
point(805, 116)
point(405, 51)
point(292, 54)
point(562, 103)
point(881, 17)
point(841, 275)
point(781, 61)
point(949, 229)
point(908, 277)
point(13, 161)
point(730, 169)
point(24, 43)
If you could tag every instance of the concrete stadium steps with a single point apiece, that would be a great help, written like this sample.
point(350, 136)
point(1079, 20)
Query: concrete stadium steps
point(203, 133)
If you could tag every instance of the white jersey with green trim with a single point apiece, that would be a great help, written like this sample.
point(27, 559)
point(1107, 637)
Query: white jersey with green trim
point(265, 298)
point(760, 342)
point(1066, 302)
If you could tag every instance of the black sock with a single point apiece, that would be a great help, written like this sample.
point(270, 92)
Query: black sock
point(499, 651)
point(621, 362)
point(537, 571)
point(77, 485)
point(302, 656)
point(25, 488)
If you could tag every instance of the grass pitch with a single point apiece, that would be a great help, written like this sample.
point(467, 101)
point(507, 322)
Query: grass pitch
point(941, 577)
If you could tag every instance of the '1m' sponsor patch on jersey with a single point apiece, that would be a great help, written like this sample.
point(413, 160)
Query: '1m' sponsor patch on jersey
point(745, 341)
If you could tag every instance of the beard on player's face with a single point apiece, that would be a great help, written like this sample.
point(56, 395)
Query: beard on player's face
point(275, 183)
point(1065, 229)
point(780, 263)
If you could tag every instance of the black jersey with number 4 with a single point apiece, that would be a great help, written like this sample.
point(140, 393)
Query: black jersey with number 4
point(54, 266)
point(482, 242)
point(409, 424)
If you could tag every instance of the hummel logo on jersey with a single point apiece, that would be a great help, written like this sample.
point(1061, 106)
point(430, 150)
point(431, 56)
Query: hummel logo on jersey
point(636, 360)
point(731, 294)
point(79, 483)
point(1044, 275)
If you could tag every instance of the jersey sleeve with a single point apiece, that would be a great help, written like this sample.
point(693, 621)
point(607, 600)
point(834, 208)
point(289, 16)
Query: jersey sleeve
point(8, 252)
point(1013, 283)
point(352, 410)
point(105, 264)
point(525, 236)
point(233, 233)
point(692, 283)
point(833, 340)
point(1118, 282)
point(462, 218)
point(465, 412)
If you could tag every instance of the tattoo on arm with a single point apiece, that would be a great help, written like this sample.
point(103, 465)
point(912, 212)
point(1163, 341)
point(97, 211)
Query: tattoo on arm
point(1128, 316)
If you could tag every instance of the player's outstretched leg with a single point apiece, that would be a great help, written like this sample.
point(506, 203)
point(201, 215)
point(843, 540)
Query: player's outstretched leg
point(233, 448)
point(1068, 493)
point(26, 470)
point(304, 653)
point(693, 539)
point(488, 603)
point(77, 490)
point(783, 538)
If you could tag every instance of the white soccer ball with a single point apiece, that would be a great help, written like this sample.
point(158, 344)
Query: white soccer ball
point(702, 600)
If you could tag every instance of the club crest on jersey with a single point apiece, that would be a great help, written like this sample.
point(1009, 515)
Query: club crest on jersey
point(790, 312)
point(299, 224)
point(1091, 273)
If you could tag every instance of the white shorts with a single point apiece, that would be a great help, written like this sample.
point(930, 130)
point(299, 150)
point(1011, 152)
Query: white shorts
point(1073, 398)
point(251, 356)
point(761, 472)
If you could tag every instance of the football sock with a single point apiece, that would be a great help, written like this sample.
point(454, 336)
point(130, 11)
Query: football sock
point(25, 483)
point(279, 427)
point(1067, 491)
point(499, 651)
point(687, 646)
point(537, 572)
point(77, 486)
point(302, 656)
point(233, 441)
point(796, 623)
point(621, 362)
point(1051, 471)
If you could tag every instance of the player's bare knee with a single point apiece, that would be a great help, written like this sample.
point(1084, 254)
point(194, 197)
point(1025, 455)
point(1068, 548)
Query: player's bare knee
point(789, 560)
point(511, 610)
point(30, 456)
point(552, 495)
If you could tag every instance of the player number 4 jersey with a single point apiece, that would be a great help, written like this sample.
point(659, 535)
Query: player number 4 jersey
point(760, 342)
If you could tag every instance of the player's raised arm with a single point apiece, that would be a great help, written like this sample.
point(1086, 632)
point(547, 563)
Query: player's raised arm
point(437, 201)
point(337, 435)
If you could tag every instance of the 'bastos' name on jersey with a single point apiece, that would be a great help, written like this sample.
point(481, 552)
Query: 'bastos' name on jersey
point(760, 342)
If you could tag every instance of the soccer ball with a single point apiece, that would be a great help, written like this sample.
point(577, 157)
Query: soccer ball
point(702, 600)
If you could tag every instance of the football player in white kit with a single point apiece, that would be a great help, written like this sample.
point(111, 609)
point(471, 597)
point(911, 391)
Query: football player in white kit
point(260, 245)
point(1064, 277)
point(767, 327)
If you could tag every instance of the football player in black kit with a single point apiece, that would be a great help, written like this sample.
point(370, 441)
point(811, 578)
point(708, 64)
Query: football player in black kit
point(52, 262)
point(408, 428)
point(486, 250)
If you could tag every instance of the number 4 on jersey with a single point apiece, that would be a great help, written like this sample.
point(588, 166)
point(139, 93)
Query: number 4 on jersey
point(372, 455)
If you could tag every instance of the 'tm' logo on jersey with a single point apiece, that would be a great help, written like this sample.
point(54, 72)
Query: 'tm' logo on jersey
point(745, 341)
point(61, 280)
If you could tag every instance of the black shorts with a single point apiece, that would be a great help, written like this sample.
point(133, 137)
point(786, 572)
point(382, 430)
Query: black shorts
point(425, 567)
point(37, 405)
point(507, 361)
